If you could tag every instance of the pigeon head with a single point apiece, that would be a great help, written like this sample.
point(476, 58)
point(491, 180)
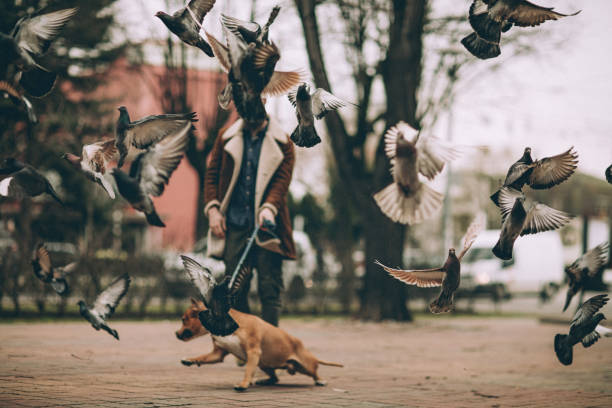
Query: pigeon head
point(451, 252)
point(599, 317)
point(527, 155)
point(303, 92)
point(11, 165)
point(82, 307)
point(160, 14)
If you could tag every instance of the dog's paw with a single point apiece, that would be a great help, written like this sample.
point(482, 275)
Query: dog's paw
point(320, 383)
point(187, 363)
point(240, 388)
point(267, 381)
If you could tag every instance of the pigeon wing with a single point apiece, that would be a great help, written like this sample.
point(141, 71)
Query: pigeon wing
point(588, 309)
point(201, 278)
point(291, 95)
point(199, 8)
point(590, 339)
point(551, 171)
point(42, 262)
point(220, 51)
point(471, 234)
point(238, 26)
point(542, 218)
point(107, 301)
point(36, 34)
point(150, 130)
point(392, 134)
point(433, 154)
point(424, 278)
point(527, 14)
point(155, 167)
point(243, 275)
point(324, 102)
point(282, 82)
point(265, 55)
point(95, 156)
point(506, 199)
point(594, 259)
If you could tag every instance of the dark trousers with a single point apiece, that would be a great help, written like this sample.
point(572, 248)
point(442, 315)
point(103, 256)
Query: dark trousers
point(269, 273)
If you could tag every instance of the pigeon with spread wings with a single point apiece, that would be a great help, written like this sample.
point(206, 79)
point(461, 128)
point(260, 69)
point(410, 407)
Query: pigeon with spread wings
point(408, 200)
point(30, 39)
point(280, 83)
point(24, 181)
point(46, 272)
point(151, 171)
point(309, 106)
point(147, 131)
point(7, 91)
point(217, 297)
point(520, 217)
point(447, 276)
point(582, 329)
point(94, 162)
point(583, 269)
point(250, 31)
point(539, 174)
point(105, 305)
point(186, 23)
point(490, 18)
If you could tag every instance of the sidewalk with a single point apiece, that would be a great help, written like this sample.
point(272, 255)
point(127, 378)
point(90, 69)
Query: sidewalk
point(438, 361)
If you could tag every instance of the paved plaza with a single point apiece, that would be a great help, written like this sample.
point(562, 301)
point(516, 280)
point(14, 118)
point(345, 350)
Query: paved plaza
point(435, 362)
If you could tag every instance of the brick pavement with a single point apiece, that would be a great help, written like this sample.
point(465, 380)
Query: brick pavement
point(451, 362)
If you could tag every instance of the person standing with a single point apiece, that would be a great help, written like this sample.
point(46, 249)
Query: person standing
point(246, 183)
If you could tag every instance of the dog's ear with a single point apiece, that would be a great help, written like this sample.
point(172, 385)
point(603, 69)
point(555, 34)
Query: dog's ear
point(194, 302)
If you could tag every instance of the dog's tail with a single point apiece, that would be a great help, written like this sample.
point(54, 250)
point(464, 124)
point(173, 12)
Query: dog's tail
point(327, 363)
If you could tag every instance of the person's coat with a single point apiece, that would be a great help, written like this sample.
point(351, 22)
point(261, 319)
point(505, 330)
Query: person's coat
point(274, 172)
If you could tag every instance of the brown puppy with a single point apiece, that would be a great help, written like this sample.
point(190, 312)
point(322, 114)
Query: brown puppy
point(257, 342)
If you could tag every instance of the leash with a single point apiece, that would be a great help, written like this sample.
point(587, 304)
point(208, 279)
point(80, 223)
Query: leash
point(267, 226)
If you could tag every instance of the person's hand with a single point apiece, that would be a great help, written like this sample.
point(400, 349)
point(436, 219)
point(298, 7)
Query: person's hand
point(216, 221)
point(266, 214)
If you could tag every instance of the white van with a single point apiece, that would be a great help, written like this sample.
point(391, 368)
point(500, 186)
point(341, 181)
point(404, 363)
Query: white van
point(537, 260)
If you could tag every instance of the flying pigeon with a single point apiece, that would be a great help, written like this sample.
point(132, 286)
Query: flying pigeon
point(250, 31)
point(151, 171)
point(46, 272)
point(280, 83)
point(583, 269)
point(94, 161)
point(582, 329)
point(187, 22)
point(147, 131)
point(408, 200)
point(30, 39)
point(489, 18)
point(308, 107)
point(539, 174)
point(24, 181)
point(216, 296)
point(105, 305)
point(609, 174)
point(7, 91)
point(447, 276)
point(521, 218)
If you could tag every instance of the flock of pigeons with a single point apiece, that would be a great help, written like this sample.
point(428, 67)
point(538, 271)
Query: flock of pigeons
point(249, 58)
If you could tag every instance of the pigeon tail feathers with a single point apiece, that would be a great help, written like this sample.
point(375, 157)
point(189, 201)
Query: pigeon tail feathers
point(38, 82)
point(217, 325)
point(502, 253)
point(305, 136)
point(563, 349)
point(399, 207)
point(443, 304)
point(153, 219)
point(480, 48)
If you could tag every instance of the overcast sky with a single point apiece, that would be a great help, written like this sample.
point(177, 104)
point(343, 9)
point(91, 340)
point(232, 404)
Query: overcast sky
point(556, 98)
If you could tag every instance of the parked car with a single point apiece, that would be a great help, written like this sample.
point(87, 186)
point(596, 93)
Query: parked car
point(537, 260)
